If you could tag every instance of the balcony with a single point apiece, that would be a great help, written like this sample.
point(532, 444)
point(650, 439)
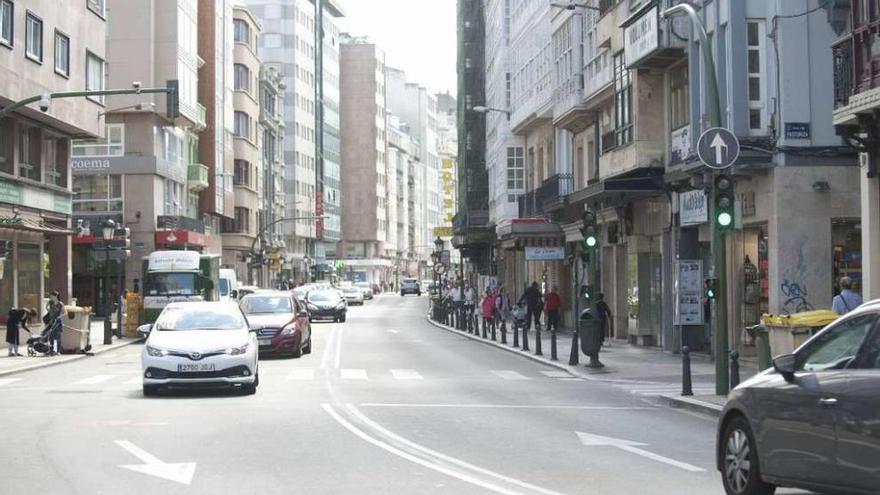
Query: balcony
point(843, 72)
point(201, 117)
point(550, 196)
point(174, 222)
point(197, 177)
point(856, 67)
point(606, 5)
point(569, 111)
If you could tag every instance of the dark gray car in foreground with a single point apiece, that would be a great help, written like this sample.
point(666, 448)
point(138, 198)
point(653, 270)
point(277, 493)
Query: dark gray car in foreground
point(813, 420)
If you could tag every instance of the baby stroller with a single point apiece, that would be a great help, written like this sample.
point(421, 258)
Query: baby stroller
point(519, 314)
point(39, 344)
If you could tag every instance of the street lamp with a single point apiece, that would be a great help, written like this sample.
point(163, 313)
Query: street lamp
point(572, 5)
point(485, 109)
point(107, 230)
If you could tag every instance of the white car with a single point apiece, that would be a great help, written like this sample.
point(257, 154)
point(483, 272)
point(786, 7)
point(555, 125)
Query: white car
point(200, 344)
point(410, 286)
point(353, 296)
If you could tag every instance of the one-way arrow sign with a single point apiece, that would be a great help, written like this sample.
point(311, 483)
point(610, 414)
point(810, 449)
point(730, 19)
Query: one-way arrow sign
point(591, 440)
point(718, 148)
point(181, 472)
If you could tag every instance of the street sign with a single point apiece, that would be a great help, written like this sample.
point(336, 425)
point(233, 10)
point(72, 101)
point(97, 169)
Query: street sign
point(442, 231)
point(718, 148)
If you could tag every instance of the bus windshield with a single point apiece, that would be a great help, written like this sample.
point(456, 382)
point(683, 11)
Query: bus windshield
point(170, 284)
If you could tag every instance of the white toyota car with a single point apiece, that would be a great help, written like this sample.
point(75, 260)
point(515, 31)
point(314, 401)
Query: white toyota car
point(200, 344)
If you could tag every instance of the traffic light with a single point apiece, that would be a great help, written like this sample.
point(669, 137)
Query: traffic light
point(589, 231)
point(172, 99)
point(723, 202)
point(711, 288)
point(587, 293)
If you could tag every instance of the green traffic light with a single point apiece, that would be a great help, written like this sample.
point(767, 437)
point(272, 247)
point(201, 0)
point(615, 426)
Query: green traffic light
point(725, 219)
point(591, 241)
point(710, 294)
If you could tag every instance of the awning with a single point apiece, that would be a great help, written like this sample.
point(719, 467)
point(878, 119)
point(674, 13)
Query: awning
point(643, 183)
point(34, 225)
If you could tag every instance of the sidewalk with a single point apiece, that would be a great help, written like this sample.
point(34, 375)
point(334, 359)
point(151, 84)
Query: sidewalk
point(9, 365)
point(638, 370)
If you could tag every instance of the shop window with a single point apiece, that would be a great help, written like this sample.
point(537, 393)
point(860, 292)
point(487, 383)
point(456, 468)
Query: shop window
point(7, 137)
point(29, 152)
point(30, 275)
point(112, 144)
point(57, 153)
point(97, 193)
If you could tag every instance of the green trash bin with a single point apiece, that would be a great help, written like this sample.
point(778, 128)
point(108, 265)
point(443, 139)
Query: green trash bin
point(762, 343)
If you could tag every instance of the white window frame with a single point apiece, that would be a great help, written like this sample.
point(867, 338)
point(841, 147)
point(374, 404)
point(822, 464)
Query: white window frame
point(7, 22)
point(103, 146)
point(515, 163)
point(63, 71)
point(91, 58)
point(97, 6)
point(761, 75)
point(32, 19)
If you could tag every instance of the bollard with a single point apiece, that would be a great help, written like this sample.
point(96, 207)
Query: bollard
point(574, 358)
point(503, 331)
point(734, 369)
point(525, 336)
point(686, 386)
point(538, 351)
point(485, 324)
point(515, 334)
point(494, 324)
point(108, 331)
point(553, 345)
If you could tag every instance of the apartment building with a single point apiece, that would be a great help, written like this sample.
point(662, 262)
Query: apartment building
point(146, 172)
point(403, 163)
point(44, 48)
point(364, 142)
point(329, 155)
point(240, 232)
point(271, 243)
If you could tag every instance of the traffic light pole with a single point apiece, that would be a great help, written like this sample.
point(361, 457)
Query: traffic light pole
point(719, 245)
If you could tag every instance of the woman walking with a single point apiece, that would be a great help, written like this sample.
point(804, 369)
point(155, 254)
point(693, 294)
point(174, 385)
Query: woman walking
point(502, 312)
point(52, 319)
point(17, 319)
point(488, 306)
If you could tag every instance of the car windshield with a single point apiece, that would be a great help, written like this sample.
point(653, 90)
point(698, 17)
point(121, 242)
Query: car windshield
point(170, 284)
point(266, 304)
point(323, 296)
point(224, 286)
point(198, 317)
point(410, 281)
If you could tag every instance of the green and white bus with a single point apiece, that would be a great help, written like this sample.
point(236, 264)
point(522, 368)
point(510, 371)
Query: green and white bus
point(176, 276)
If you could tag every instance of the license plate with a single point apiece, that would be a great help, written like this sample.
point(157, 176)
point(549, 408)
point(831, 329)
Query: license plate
point(198, 367)
point(264, 341)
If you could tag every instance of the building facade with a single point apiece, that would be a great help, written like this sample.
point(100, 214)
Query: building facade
point(142, 150)
point(271, 243)
point(330, 151)
point(44, 49)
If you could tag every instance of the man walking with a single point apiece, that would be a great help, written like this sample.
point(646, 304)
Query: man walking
point(847, 300)
point(534, 306)
point(552, 302)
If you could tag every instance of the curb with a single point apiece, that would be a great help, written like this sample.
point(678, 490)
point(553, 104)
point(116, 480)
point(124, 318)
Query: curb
point(692, 404)
point(516, 350)
point(69, 358)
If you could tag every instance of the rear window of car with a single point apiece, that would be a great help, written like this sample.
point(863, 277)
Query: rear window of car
point(266, 304)
point(323, 296)
point(410, 281)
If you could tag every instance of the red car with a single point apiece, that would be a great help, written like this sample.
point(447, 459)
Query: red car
point(282, 323)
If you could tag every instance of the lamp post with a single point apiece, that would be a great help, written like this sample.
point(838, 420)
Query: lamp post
point(485, 109)
point(107, 230)
point(438, 255)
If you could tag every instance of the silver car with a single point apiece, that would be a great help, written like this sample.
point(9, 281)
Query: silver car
point(813, 420)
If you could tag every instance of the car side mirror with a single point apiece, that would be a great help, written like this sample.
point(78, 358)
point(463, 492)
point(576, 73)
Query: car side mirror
point(302, 314)
point(233, 294)
point(785, 366)
point(145, 329)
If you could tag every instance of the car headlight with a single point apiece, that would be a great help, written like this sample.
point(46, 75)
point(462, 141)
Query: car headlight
point(289, 329)
point(156, 352)
point(235, 351)
point(340, 305)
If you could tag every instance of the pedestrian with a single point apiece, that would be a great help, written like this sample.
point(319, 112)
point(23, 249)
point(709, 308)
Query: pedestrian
point(52, 319)
point(502, 307)
point(606, 319)
point(552, 302)
point(847, 300)
point(488, 305)
point(17, 318)
point(534, 304)
point(470, 300)
point(457, 305)
point(123, 304)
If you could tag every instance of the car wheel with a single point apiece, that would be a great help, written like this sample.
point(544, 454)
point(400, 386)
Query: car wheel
point(249, 388)
point(402, 294)
point(342, 319)
point(151, 390)
point(741, 472)
point(296, 352)
point(308, 348)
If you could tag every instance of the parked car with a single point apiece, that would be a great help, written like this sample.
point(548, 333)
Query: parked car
point(367, 288)
point(300, 294)
point(228, 285)
point(353, 296)
point(326, 305)
point(282, 323)
point(244, 290)
point(812, 420)
point(410, 286)
point(200, 344)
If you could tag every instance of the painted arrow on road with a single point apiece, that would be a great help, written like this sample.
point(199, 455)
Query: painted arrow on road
point(180, 472)
point(591, 440)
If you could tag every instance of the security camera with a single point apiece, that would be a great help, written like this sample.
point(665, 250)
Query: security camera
point(44, 102)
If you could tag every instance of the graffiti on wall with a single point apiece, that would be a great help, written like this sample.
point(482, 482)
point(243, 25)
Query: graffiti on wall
point(794, 287)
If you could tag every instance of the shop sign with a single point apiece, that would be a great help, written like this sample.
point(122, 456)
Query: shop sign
point(641, 37)
point(10, 193)
point(63, 204)
point(693, 208)
point(680, 144)
point(173, 260)
point(442, 231)
point(83, 164)
point(536, 253)
point(13, 220)
point(797, 130)
point(689, 293)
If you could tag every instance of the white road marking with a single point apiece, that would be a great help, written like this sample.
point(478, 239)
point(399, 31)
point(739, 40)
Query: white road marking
point(571, 379)
point(391, 330)
point(181, 472)
point(94, 380)
point(337, 357)
point(302, 374)
point(507, 406)
point(327, 357)
point(353, 374)
point(591, 440)
point(8, 381)
point(509, 375)
point(449, 459)
point(406, 374)
point(556, 374)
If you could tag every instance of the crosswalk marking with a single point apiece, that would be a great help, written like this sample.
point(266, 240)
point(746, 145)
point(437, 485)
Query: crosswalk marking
point(353, 374)
point(94, 380)
point(406, 374)
point(302, 374)
point(7, 381)
point(509, 375)
point(557, 374)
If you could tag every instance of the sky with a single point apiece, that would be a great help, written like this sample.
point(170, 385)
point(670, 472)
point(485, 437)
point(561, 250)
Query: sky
point(417, 36)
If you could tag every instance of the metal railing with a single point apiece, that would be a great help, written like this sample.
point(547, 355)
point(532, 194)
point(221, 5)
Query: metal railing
point(843, 73)
point(176, 222)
